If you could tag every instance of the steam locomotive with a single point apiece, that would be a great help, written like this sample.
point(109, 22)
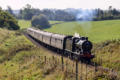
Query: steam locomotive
point(72, 46)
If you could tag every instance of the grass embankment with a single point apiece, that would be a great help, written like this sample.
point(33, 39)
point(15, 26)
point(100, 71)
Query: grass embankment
point(19, 59)
point(15, 61)
point(108, 54)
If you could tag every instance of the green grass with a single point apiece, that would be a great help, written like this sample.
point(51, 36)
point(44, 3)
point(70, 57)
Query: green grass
point(27, 23)
point(97, 31)
point(24, 24)
point(109, 52)
point(54, 22)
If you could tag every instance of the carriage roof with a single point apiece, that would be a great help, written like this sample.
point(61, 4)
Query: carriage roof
point(57, 36)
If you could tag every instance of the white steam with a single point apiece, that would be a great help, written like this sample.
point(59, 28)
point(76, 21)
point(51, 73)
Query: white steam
point(85, 15)
point(84, 18)
point(76, 35)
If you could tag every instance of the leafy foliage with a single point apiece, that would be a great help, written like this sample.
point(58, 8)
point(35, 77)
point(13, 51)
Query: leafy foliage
point(8, 21)
point(9, 10)
point(27, 13)
point(40, 21)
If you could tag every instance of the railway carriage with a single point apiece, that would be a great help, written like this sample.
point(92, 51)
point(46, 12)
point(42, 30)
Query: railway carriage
point(46, 37)
point(57, 41)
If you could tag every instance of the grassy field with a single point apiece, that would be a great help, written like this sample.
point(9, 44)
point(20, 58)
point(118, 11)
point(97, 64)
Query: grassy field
point(54, 22)
point(25, 24)
point(97, 31)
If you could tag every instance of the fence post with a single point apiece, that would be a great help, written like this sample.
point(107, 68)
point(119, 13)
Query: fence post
point(109, 60)
point(76, 69)
point(101, 60)
point(62, 62)
point(73, 64)
point(45, 59)
point(39, 57)
point(58, 61)
point(72, 70)
point(86, 70)
point(53, 59)
point(81, 69)
point(95, 65)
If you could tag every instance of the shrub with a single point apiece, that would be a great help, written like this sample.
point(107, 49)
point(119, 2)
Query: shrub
point(40, 21)
point(8, 21)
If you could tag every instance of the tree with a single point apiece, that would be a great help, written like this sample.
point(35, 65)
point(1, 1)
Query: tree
point(0, 8)
point(40, 21)
point(8, 21)
point(27, 12)
point(9, 10)
point(69, 14)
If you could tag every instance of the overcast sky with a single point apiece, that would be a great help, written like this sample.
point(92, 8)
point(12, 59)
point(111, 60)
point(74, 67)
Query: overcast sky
point(61, 4)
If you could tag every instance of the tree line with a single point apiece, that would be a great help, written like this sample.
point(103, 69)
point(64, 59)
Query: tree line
point(69, 14)
point(40, 17)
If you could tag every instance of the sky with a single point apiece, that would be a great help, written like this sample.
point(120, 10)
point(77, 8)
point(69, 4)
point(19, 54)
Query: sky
point(61, 4)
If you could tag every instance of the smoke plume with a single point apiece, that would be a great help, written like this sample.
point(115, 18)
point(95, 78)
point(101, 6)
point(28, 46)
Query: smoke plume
point(84, 18)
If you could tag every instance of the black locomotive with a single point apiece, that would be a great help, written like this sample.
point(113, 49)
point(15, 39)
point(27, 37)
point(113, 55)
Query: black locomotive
point(71, 46)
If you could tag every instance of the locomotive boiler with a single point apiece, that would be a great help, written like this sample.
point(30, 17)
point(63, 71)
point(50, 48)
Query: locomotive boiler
point(71, 46)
